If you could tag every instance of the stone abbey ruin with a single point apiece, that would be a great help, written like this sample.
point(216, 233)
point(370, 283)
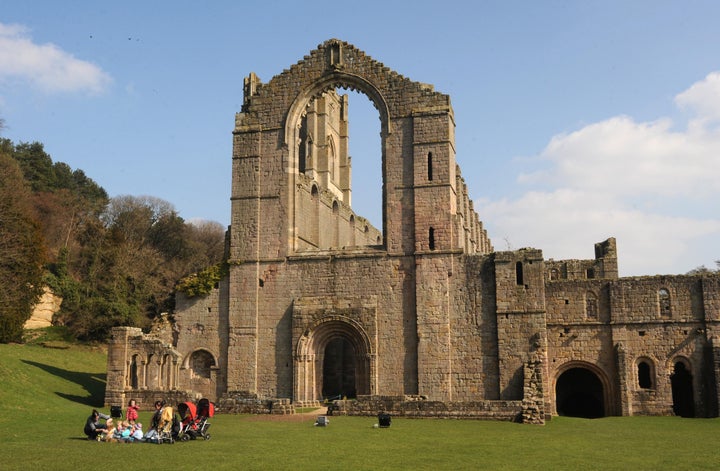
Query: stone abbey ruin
point(421, 317)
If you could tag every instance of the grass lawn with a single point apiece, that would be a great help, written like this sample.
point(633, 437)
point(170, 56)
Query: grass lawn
point(47, 393)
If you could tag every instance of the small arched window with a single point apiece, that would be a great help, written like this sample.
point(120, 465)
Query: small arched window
point(431, 238)
point(645, 374)
point(554, 274)
point(664, 302)
point(134, 383)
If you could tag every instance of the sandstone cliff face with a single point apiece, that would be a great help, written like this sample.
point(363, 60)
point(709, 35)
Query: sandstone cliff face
point(42, 315)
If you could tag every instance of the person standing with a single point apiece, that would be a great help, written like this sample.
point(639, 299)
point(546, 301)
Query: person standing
point(131, 415)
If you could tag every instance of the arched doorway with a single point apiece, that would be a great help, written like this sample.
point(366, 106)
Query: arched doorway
point(334, 358)
point(339, 367)
point(200, 373)
point(579, 393)
point(682, 390)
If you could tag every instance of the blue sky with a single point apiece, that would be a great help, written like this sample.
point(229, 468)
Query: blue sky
point(576, 120)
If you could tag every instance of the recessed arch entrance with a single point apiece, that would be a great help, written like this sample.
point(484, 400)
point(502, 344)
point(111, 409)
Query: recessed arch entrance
point(333, 359)
point(682, 389)
point(581, 390)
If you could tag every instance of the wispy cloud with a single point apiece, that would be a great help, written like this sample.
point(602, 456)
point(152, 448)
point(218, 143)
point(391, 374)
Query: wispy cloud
point(653, 187)
point(46, 66)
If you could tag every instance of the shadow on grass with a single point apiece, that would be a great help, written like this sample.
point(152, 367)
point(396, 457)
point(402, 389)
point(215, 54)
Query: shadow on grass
point(94, 383)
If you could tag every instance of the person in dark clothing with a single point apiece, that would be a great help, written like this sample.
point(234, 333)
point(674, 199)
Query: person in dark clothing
point(93, 427)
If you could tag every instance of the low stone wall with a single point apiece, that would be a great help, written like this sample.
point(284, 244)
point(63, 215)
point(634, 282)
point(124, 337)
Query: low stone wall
point(246, 403)
point(416, 406)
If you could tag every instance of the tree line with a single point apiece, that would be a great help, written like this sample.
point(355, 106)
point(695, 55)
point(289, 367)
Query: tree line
point(114, 261)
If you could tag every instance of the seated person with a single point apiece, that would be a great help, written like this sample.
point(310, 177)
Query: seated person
point(155, 421)
point(123, 432)
point(108, 435)
point(93, 427)
point(137, 433)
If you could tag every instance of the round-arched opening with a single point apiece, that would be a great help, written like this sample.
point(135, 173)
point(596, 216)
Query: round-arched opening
point(334, 360)
point(682, 390)
point(201, 363)
point(134, 378)
point(579, 393)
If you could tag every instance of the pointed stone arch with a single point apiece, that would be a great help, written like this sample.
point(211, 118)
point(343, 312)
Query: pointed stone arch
point(293, 138)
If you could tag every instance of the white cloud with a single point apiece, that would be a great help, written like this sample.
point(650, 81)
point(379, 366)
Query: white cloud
point(703, 98)
point(653, 188)
point(46, 66)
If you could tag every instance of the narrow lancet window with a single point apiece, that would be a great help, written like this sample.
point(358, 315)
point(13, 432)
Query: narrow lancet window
point(430, 166)
point(519, 273)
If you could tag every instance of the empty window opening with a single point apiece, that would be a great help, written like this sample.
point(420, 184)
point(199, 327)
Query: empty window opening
point(664, 299)
point(430, 166)
point(431, 238)
point(339, 155)
point(519, 274)
point(644, 375)
point(365, 150)
point(590, 273)
point(303, 150)
point(554, 274)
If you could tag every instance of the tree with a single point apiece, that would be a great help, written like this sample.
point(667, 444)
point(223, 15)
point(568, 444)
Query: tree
point(21, 252)
point(130, 262)
point(703, 270)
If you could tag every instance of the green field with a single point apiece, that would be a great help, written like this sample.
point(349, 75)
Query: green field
point(47, 393)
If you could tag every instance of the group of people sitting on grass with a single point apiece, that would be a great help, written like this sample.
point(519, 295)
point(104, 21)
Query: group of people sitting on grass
point(128, 430)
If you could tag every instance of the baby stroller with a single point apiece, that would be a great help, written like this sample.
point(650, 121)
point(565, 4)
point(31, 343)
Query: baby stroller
point(188, 424)
point(195, 419)
point(168, 426)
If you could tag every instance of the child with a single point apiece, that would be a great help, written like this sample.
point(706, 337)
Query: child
point(132, 411)
point(126, 433)
point(107, 434)
point(137, 433)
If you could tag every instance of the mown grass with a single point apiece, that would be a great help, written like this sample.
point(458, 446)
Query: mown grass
point(47, 393)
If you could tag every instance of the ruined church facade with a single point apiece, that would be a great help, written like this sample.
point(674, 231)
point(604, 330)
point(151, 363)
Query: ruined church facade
point(421, 317)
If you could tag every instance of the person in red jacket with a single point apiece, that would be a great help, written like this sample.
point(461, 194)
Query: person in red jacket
point(132, 412)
